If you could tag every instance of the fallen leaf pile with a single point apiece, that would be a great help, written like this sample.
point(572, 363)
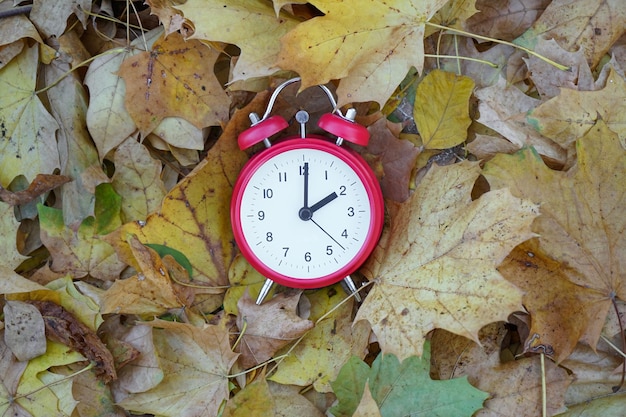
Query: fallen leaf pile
point(499, 139)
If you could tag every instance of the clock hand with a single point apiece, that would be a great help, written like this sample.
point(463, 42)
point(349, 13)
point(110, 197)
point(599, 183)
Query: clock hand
point(327, 234)
point(306, 185)
point(330, 197)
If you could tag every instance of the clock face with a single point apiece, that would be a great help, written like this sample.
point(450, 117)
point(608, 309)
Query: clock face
point(307, 213)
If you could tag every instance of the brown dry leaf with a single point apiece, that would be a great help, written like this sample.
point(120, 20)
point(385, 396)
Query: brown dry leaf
point(289, 402)
point(571, 114)
point(503, 108)
point(367, 407)
point(515, 386)
point(548, 80)
point(149, 293)
point(51, 17)
point(439, 264)
point(582, 224)
point(169, 17)
point(63, 327)
point(561, 311)
point(40, 185)
point(175, 78)
point(592, 25)
point(397, 157)
point(504, 19)
point(268, 327)
point(194, 218)
point(195, 362)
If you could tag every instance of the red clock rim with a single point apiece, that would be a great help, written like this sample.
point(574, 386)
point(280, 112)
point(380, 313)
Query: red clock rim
point(362, 170)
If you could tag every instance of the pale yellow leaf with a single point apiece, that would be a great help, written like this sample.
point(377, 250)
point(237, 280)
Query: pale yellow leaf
point(11, 257)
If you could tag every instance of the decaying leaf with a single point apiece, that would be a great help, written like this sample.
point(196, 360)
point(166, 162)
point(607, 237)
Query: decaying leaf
point(370, 48)
point(40, 185)
point(175, 78)
point(24, 330)
point(438, 266)
point(195, 363)
point(268, 327)
point(581, 224)
point(64, 328)
point(10, 373)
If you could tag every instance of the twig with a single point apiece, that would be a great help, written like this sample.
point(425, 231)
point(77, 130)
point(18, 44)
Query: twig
point(14, 11)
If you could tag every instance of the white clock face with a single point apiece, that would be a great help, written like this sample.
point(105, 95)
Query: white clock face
point(305, 213)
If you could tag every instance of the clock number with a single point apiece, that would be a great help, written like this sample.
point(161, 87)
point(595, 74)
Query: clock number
point(301, 169)
point(282, 177)
point(268, 193)
point(344, 233)
point(307, 256)
point(350, 211)
point(329, 250)
point(286, 250)
point(269, 237)
point(342, 190)
point(261, 215)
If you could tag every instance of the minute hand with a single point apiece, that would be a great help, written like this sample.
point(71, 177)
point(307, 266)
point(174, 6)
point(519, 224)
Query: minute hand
point(330, 197)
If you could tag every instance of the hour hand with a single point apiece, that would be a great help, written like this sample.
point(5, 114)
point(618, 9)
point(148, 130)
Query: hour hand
point(306, 213)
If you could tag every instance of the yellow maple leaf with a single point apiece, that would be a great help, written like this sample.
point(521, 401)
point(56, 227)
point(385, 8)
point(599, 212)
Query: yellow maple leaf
point(439, 262)
point(252, 25)
point(175, 78)
point(571, 114)
point(582, 222)
point(370, 46)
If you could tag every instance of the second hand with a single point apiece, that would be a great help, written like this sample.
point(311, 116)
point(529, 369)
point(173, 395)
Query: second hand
point(327, 234)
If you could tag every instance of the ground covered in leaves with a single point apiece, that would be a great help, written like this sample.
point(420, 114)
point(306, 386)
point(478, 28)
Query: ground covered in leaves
point(498, 135)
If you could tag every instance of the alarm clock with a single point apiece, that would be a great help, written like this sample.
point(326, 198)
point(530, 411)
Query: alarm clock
point(306, 212)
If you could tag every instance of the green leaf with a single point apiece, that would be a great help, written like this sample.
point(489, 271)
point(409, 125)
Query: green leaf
point(405, 388)
point(178, 256)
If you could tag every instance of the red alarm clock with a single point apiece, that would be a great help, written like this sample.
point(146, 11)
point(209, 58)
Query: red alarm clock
point(306, 212)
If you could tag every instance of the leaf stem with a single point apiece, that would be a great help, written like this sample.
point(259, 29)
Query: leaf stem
point(85, 62)
point(486, 38)
point(544, 395)
point(466, 58)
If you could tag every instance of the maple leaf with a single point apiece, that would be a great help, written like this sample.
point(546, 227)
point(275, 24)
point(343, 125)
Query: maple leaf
point(195, 363)
point(582, 224)
point(404, 388)
point(318, 357)
point(27, 131)
point(571, 114)
point(268, 327)
point(515, 386)
point(254, 399)
point(593, 26)
point(51, 19)
point(11, 371)
point(252, 25)
point(175, 78)
point(11, 258)
point(438, 263)
point(504, 19)
point(369, 47)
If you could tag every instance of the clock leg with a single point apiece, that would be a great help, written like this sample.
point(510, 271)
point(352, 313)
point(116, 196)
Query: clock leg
point(267, 286)
point(352, 288)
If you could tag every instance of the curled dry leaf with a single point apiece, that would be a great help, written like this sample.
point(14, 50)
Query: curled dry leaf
point(40, 185)
point(63, 327)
